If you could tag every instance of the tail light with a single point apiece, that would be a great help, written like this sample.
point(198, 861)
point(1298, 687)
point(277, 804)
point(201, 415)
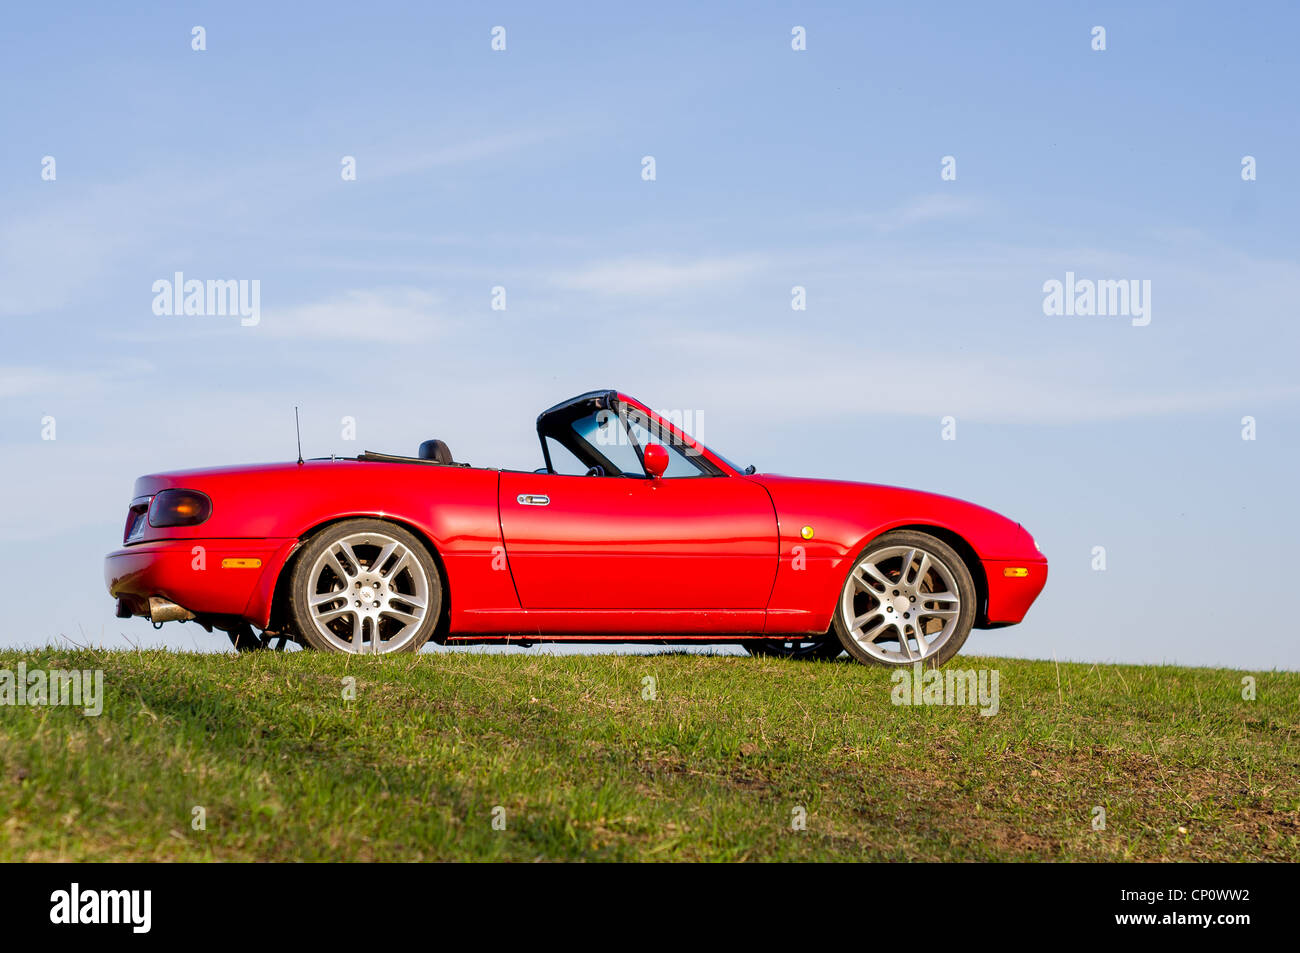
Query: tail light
point(179, 508)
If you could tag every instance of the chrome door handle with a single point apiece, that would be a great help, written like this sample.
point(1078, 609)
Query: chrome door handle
point(533, 499)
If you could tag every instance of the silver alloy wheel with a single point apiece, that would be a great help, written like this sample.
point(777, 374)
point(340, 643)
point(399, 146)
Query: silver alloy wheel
point(900, 596)
point(368, 593)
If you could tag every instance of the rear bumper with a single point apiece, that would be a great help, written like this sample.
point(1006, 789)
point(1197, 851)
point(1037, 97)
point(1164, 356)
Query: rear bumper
point(1012, 593)
point(214, 577)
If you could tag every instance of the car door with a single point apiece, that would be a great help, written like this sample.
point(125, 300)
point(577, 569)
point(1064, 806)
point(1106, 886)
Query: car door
point(621, 543)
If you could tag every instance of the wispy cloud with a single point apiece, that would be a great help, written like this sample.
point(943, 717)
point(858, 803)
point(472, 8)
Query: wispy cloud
point(49, 256)
point(387, 317)
point(652, 275)
point(934, 208)
point(20, 381)
point(74, 238)
point(802, 376)
point(34, 379)
point(389, 160)
point(919, 210)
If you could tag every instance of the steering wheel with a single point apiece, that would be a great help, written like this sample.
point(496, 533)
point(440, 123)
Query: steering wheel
point(597, 470)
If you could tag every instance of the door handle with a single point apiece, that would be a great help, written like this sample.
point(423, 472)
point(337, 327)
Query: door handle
point(533, 499)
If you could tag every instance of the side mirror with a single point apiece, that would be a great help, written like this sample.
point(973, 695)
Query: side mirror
point(656, 460)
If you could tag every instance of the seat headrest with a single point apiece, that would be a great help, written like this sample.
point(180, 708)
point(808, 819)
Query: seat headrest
point(435, 450)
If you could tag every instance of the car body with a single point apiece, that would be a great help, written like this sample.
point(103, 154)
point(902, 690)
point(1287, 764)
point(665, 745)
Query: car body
point(594, 546)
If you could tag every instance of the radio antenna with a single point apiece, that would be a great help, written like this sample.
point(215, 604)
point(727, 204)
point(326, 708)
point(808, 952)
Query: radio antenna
point(298, 427)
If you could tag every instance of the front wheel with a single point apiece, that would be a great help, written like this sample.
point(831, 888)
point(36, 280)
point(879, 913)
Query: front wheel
point(366, 586)
point(908, 598)
point(245, 639)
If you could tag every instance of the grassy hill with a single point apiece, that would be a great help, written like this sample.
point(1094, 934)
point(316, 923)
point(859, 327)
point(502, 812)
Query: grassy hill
point(579, 765)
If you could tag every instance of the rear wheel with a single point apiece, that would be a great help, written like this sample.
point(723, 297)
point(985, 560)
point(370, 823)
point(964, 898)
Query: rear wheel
point(814, 648)
point(908, 598)
point(366, 587)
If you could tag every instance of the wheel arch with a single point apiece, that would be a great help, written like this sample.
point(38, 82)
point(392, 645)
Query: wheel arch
point(280, 597)
point(974, 565)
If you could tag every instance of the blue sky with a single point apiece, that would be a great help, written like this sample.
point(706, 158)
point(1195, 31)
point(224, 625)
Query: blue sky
point(774, 168)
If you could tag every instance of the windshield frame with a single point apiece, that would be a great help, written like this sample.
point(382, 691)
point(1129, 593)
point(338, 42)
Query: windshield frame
point(556, 423)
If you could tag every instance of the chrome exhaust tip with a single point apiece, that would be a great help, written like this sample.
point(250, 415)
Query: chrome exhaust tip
point(160, 610)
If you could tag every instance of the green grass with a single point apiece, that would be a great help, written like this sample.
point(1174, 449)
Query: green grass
point(585, 768)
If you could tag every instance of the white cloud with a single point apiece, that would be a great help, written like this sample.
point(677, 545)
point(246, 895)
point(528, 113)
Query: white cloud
point(921, 210)
point(406, 161)
point(73, 241)
point(34, 379)
point(644, 275)
point(20, 381)
point(48, 258)
point(793, 377)
point(386, 317)
point(932, 208)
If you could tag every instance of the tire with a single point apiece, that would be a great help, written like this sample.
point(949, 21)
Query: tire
point(393, 589)
point(813, 648)
point(876, 618)
point(245, 639)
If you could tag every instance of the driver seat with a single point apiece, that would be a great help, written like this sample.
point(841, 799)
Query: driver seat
point(435, 450)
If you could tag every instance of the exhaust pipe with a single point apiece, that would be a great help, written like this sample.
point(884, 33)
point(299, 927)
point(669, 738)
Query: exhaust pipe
point(161, 610)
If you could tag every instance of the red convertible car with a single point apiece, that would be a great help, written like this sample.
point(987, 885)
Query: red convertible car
point(632, 531)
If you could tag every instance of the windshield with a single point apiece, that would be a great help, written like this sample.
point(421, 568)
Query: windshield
point(648, 429)
point(594, 434)
point(605, 442)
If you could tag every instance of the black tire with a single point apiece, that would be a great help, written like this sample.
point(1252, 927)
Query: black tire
point(957, 570)
point(408, 584)
point(812, 648)
point(245, 639)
